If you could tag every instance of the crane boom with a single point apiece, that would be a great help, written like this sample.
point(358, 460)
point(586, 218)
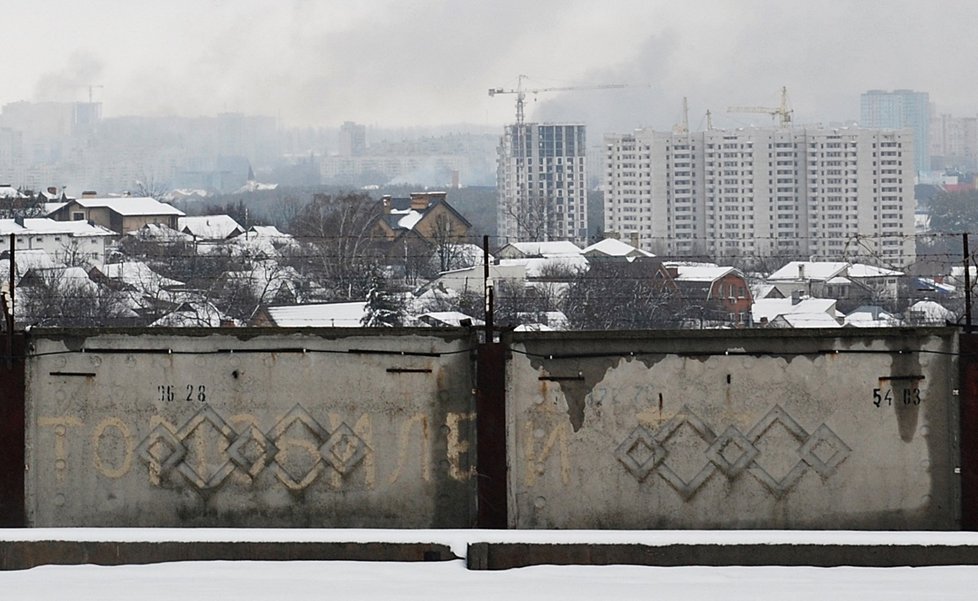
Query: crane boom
point(784, 111)
point(521, 93)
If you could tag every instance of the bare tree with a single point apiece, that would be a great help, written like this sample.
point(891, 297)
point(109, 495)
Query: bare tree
point(613, 295)
point(50, 299)
point(340, 233)
point(152, 187)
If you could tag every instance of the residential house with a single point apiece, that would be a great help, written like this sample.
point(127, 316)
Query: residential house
point(796, 312)
point(412, 229)
point(722, 292)
point(426, 215)
point(320, 315)
point(121, 214)
point(852, 284)
point(68, 242)
point(210, 227)
point(613, 249)
point(546, 250)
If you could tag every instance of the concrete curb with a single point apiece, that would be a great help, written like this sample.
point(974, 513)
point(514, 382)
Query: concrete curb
point(20, 555)
point(502, 556)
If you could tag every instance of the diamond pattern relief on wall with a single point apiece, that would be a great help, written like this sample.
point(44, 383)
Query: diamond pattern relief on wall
point(733, 452)
point(205, 450)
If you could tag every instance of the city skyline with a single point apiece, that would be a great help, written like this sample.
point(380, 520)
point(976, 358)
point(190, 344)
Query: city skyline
point(428, 63)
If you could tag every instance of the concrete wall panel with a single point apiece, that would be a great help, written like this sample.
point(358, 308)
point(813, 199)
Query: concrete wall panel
point(734, 429)
point(249, 428)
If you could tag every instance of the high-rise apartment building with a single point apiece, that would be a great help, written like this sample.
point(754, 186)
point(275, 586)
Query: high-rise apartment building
point(954, 142)
point(353, 139)
point(541, 180)
point(758, 192)
point(899, 109)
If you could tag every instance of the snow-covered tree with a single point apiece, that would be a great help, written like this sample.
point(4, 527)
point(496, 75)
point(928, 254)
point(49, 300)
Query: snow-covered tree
point(385, 309)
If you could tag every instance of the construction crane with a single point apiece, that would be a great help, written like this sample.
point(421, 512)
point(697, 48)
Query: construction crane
point(521, 93)
point(91, 89)
point(783, 111)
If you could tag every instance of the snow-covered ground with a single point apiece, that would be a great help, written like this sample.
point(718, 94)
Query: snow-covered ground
point(297, 581)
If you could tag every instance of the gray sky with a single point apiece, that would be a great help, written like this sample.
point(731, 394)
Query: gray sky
point(410, 62)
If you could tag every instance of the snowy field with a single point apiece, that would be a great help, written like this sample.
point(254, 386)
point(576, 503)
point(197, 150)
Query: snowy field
point(297, 581)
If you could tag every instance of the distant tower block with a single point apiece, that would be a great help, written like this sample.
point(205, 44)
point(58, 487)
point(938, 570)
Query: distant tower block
point(353, 139)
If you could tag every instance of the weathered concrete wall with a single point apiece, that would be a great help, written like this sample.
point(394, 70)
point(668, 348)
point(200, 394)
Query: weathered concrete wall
point(734, 429)
point(249, 428)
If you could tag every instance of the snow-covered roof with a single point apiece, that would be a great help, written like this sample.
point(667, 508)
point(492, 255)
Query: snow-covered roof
point(254, 186)
point(762, 291)
point(192, 315)
point(861, 270)
point(322, 315)
point(449, 318)
point(158, 231)
point(52, 207)
point(267, 231)
point(930, 311)
point(809, 320)
point(932, 284)
point(34, 258)
point(560, 248)
point(11, 192)
point(808, 270)
point(129, 205)
point(209, 227)
point(870, 316)
point(706, 272)
point(185, 194)
point(613, 247)
point(137, 273)
point(72, 276)
point(43, 225)
point(409, 220)
point(771, 308)
point(537, 267)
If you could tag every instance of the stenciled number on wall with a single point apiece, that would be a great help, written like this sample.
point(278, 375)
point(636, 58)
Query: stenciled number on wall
point(885, 397)
point(169, 393)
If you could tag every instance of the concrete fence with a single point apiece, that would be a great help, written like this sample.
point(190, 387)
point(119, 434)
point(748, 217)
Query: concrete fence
point(734, 429)
point(249, 428)
point(373, 428)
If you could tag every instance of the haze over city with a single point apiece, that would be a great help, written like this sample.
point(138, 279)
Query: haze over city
point(395, 64)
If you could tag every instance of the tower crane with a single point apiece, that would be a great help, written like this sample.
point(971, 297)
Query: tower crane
point(521, 93)
point(783, 111)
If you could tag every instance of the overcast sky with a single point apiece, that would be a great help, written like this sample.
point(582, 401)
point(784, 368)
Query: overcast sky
point(410, 62)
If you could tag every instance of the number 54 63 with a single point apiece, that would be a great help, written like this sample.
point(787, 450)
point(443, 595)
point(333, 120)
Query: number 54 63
point(884, 396)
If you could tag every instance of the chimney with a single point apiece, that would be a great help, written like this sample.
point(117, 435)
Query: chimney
point(386, 199)
point(52, 190)
point(419, 201)
point(801, 271)
point(634, 238)
point(89, 194)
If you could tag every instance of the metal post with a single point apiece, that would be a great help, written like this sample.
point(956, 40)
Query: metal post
point(487, 288)
point(967, 284)
point(9, 310)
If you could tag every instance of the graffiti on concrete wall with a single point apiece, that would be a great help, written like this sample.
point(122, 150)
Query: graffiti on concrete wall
point(207, 449)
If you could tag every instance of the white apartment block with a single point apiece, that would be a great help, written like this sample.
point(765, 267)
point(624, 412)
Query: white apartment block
point(823, 193)
point(542, 183)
